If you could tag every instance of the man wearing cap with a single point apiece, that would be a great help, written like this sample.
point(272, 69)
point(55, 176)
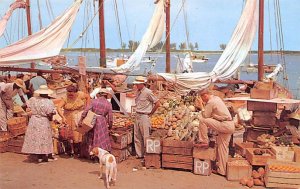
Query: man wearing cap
point(146, 105)
point(216, 116)
point(8, 91)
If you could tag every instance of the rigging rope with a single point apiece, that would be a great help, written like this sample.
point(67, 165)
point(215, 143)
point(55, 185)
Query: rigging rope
point(118, 24)
point(125, 16)
point(50, 10)
point(39, 14)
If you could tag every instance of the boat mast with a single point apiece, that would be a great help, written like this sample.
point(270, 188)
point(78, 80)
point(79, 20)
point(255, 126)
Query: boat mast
point(102, 35)
point(32, 65)
point(261, 41)
point(168, 55)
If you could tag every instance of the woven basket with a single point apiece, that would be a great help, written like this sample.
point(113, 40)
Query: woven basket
point(17, 125)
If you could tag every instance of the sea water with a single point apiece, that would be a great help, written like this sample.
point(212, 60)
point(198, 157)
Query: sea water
point(292, 62)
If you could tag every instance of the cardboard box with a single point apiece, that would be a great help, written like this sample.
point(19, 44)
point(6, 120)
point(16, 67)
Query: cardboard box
point(283, 153)
point(238, 168)
point(202, 167)
point(153, 145)
point(263, 93)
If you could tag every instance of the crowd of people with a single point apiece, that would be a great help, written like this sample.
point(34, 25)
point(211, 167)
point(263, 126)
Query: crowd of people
point(74, 107)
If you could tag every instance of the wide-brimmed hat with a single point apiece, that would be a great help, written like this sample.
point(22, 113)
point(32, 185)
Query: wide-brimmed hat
point(99, 90)
point(43, 90)
point(140, 80)
point(20, 83)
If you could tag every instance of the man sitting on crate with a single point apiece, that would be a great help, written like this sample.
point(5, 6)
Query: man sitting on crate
point(146, 105)
point(216, 116)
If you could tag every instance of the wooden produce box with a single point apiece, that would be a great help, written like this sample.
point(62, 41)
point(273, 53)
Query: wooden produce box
point(283, 153)
point(177, 161)
point(204, 154)
point(119, 139)
point(240, 147)
point(177, 147)
point(252, 133)
point(202, 167)
point(153, 145)
point(120, 154)
point(263, 93)
point(264, 118)
point(153, 161)
point(238, 168)
point(258, 159)
point(15, 144)
point(281, 174)
point(261, 106)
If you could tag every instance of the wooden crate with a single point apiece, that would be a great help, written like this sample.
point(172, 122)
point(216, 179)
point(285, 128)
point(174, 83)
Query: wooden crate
point(280, 178)
point(238, 168)
point(240, 147)
point(263, 93)
point(153, 145)
point(119, 139)
point(177, 147)
point(153, 161)
point(283, 153)
point(204, 154)
point(258, 159)
point(202, 167)
point(252, 134)
point(177, 161)
point(261, 106)
point(15, 144)
point(264, 121)
point(120, 154)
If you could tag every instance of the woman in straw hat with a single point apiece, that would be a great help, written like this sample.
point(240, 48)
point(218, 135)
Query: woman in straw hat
point(99, 135)
point(70, 109)
point(7, 92)
point(38, 136)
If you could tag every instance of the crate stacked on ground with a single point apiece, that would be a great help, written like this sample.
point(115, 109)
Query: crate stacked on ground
point(263, 119)
point(4, 138)
point(121, 141)
point(15, 144)
point(177, 154)
point(282, 174)
point(238, 168)
point(153, 153)
point(203, 160)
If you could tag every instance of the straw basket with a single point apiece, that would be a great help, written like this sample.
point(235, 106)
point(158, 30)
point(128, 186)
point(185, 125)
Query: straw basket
point(17, 125)
point(4, 137)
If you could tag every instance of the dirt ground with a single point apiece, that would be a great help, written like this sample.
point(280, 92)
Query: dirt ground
point(68, 173)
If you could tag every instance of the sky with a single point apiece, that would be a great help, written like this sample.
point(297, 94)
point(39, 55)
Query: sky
point(210, 22)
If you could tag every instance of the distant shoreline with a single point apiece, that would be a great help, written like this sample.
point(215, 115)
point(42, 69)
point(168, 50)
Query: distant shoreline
point(173, 51)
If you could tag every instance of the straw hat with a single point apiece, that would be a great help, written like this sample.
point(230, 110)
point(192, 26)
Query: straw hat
point(99, 90)
point(139, 80)
point(20, 83)
point(43, 90)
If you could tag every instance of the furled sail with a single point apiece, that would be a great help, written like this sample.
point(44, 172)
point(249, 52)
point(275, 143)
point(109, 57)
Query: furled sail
point(232, 57)
point(43, 44)
point(15, 5)
point(151, 38)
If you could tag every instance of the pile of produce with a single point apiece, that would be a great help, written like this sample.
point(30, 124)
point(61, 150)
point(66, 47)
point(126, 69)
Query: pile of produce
point(257, 178)
point(265, 141)
point(120, 120)
point(284, 168)
point(261, 152)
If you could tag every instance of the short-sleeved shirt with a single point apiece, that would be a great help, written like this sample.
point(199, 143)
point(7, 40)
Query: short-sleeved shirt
point(37, 82)
point(9, 93)
point(145, 101)
point(216, 108)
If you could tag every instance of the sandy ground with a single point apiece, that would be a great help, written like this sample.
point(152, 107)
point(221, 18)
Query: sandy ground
point(67, 173)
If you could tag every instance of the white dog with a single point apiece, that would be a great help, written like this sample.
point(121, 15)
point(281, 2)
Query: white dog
point(109, 160)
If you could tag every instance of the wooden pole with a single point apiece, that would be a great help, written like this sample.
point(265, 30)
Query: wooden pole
point(102, 34)
point(168, 55)
point(32, 65)
point(261, 41)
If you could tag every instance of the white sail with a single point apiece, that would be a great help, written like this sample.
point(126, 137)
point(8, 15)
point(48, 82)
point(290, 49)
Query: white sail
point(43, 44)
point(232, 57)
point(15, 5)
point(152, 36)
